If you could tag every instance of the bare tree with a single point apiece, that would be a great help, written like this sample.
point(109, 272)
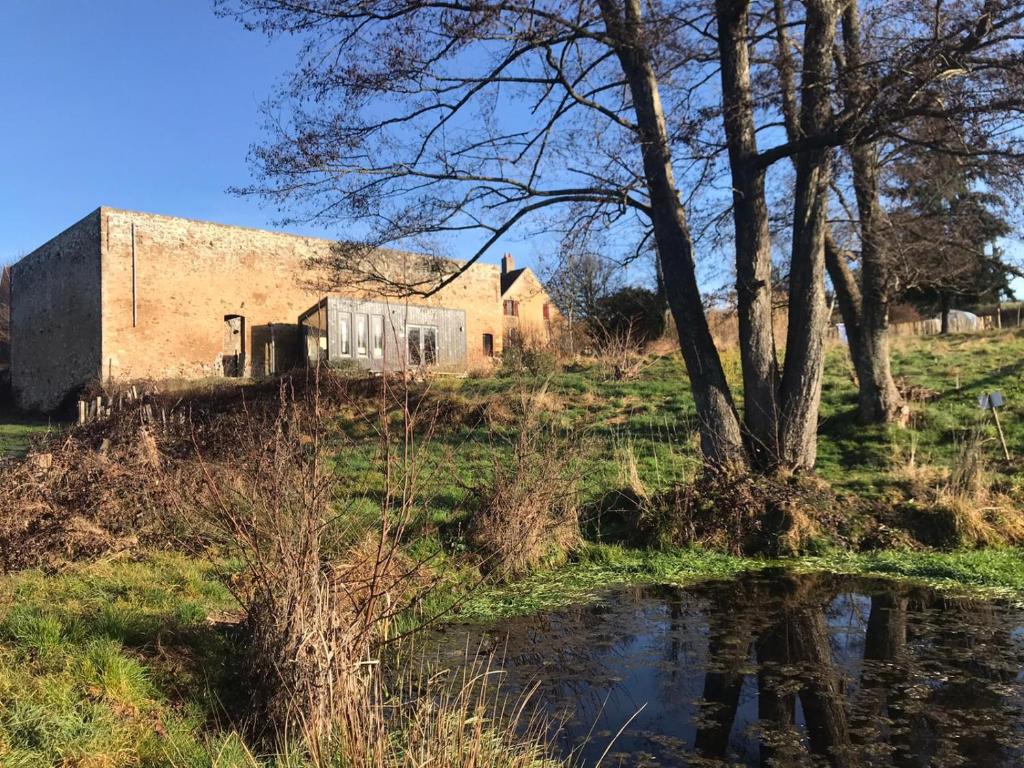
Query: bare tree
point(439, 118)
point(945, 62)
point(578, 281)
point(425, 119)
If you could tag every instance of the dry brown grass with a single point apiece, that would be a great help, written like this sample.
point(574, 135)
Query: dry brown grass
point(320, 606)
point(431, 717)
point(962, 505)
point(526, 510)
point(319, 591)
point(976, 511)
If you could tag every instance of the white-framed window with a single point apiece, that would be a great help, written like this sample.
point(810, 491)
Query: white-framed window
point(345, 335)
point(362, 339)
point(377, 336)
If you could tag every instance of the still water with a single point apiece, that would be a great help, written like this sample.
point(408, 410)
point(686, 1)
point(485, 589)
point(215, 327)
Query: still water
point(772, 669)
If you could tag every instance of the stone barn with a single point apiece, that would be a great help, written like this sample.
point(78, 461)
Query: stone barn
point(123, 295)
point(5, 322)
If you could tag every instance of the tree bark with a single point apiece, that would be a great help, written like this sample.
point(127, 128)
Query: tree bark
point(808, 314)
point(753, 240)
point(721, 435)
point(878, 398)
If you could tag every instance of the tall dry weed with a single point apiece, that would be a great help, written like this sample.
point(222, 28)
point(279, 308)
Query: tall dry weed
point(317, 602)
point(526, 510)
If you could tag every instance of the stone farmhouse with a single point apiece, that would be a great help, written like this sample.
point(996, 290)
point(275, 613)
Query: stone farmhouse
point(123, 296)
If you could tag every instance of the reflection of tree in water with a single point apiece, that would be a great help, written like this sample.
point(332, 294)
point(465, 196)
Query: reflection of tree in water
point(781, 670)
point(932, 690)
point(783, 628)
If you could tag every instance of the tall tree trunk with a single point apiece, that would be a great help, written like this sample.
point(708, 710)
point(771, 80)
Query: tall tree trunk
point(753, 241)
point(844, 283)
point(721, 435)
point(944, 306)
point(808, 314)
point(879, 399)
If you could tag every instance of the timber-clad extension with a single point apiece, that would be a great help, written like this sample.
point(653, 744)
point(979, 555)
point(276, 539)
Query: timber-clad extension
point(123, 295)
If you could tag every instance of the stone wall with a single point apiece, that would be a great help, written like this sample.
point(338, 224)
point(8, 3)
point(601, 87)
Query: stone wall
point(164, 308)
point(530, 323)
point(56, 317)
point(5, 318)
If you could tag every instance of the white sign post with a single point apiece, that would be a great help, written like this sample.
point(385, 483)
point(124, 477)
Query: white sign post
point(993, 402)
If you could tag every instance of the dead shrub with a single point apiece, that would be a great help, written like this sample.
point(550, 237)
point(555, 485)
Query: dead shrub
point(527, 510)
point(739, 514)
point(623, 355)
point(317, 603)
point(523, 356)
point(74, 497)
point(962, 507)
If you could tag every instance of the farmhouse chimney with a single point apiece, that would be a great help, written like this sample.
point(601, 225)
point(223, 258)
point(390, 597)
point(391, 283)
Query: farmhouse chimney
point(508, 264)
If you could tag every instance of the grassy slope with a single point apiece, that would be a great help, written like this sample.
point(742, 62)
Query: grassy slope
point(122, 663)
point(15, 433)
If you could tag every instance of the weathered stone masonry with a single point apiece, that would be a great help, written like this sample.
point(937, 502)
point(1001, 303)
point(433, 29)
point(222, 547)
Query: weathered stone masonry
point(127, 295)
point(56, 316)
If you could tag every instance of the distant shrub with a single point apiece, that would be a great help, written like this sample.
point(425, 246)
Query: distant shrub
point(634, 313)
point(520, 359)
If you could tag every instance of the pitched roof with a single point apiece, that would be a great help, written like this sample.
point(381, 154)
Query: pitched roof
point(507, 278)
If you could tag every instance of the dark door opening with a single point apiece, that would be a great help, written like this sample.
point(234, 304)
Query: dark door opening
point(233, 355)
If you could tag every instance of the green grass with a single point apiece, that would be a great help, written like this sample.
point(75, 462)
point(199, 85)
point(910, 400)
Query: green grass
point(985, 573)
point(653, 418)
point(125, 662)
point(16, 432)
point(951, 372)
point(111, 664)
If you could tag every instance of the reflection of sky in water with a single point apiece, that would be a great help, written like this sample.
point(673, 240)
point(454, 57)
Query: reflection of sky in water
point(774, 670)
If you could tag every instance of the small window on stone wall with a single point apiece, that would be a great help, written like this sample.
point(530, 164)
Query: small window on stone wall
point(488, 345)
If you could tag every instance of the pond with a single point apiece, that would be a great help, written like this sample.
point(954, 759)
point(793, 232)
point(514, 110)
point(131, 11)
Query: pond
point(771, 669)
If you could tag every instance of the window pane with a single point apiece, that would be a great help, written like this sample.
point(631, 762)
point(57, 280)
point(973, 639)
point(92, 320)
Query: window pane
point(377, 335)
point(429, 346)
point(361, 340)
point(346, 338)
point(414, 345)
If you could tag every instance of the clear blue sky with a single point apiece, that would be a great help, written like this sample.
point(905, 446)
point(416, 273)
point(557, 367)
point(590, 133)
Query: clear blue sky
point(138, 104)
point(144, 104)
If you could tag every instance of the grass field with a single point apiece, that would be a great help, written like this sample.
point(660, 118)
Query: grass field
point(15, 433)
point(131, 660)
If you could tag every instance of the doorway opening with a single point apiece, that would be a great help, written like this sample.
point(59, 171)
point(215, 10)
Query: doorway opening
point(233, 354)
